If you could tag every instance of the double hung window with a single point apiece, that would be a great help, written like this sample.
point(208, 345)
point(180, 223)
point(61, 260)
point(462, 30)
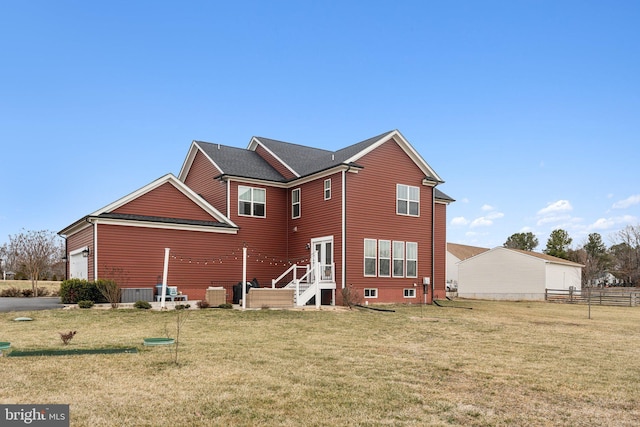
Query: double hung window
point(295, 203)
point(386, 258)
point(327, 189)
point(370, 257)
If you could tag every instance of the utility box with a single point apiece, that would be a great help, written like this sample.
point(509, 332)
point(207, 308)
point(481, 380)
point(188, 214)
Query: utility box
point(136, 294)
point(216, 296)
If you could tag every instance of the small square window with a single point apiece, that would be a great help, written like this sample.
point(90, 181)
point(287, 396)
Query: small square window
point(410, 293)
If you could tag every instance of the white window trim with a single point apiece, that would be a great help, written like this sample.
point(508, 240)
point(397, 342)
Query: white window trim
point(299, 203)
point(406, 259)
point(375, 258)
point(381, 258)
point(370, 290)
point(411, 291)
point(252, 201)
point(408, 199)
point(393, 259)
point(327, 189)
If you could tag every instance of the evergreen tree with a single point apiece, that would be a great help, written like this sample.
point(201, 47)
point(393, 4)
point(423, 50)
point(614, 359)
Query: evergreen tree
point(525, 241)
point(558, 244)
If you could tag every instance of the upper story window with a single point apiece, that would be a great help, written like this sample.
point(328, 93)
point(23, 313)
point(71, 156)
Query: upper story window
point(295, 203)
point(252, 201)
point(327, 189)
point(408, 200)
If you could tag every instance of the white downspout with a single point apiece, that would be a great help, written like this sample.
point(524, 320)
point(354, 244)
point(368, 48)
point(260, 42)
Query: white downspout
point(95, 251)
point(344, 230)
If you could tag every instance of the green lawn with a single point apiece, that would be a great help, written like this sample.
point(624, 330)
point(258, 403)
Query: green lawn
point(498, 364)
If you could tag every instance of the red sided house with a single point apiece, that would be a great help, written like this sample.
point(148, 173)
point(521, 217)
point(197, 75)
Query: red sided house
point(368, 217)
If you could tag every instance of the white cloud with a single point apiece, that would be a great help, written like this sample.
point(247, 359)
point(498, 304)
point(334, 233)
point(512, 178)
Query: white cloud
point(495, 215)
point(459, 220)
point(481, 222)
point(613, 222)
point(465, 200)
point(602, 224)
point(553, 218)
point(559, 206)
point(486, 220)
point(628, 202)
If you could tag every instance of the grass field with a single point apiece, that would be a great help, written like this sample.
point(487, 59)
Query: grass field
point(52, 286)
point(498, 364)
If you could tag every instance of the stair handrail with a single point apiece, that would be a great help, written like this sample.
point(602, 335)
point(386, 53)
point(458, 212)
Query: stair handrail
point(293, 268)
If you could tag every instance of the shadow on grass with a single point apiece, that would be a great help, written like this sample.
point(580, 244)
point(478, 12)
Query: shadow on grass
point(67, 352)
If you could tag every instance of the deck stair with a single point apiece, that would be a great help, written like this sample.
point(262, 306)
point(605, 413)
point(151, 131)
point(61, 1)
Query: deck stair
point(307, 281)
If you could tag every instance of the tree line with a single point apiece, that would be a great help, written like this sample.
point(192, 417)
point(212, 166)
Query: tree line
point(33, 255)
point(603, 266)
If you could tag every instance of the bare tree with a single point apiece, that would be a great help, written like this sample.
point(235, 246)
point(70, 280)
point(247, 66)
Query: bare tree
point(4, 260)
point(35, 251)
point(626, 254)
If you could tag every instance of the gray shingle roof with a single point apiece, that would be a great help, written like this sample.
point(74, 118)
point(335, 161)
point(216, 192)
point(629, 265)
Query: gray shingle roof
point(442, 196)
point(307, 160)
point(303, 160)
point(146, 218)
point(240, 162)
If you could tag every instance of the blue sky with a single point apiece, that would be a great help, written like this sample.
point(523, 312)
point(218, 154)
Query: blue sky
point(529, 110)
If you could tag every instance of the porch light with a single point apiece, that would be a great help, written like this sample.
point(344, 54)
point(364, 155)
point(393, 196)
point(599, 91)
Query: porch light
point(85, 252)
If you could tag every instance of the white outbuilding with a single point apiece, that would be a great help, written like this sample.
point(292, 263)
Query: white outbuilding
point(512, 274)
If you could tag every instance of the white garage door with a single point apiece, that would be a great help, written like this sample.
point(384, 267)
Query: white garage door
point(78, 265)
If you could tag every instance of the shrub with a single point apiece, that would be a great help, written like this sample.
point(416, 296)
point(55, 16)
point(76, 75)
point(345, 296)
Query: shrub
point(85, 304)
point(27, 293)
point(74, 290)
point(11, 292)
point(144, 305)
point(109, 290)
point(203, 304)
point(43, 292)
point(182, 306)
point(226, 305)
point(351, 296)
